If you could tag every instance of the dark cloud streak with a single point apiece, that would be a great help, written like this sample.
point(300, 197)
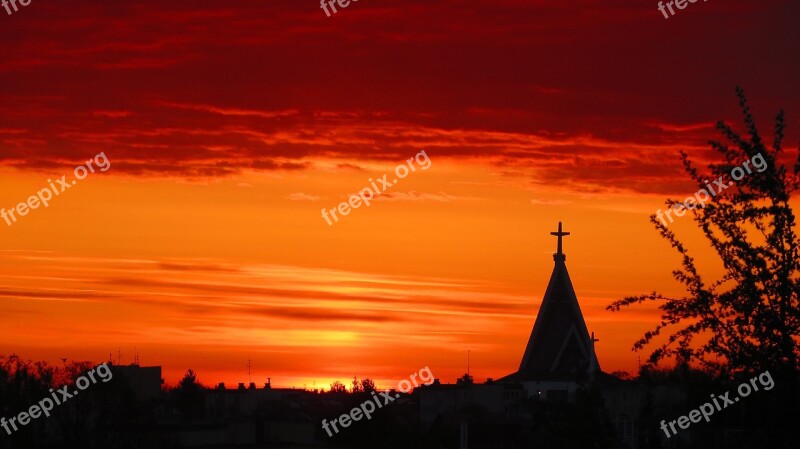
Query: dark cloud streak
point(209, 89)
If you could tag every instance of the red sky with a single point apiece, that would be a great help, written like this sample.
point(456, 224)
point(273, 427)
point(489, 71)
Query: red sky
point(229, 125)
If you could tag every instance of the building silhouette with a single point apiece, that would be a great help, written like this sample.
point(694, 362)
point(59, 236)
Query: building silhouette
point(560, 352)
point(558, 363)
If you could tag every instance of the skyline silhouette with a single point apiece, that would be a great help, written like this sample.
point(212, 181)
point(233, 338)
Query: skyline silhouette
point(281, 211)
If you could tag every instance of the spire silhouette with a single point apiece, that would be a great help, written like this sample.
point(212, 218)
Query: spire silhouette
point(560, 346)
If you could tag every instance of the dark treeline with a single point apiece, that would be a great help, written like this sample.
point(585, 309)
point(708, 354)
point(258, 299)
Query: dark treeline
point(106, 415)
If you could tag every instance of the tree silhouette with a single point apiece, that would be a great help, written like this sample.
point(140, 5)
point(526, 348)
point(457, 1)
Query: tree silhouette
point(367, 385)
point(356, 386)
point(22, 383)
point(338, 387)
point(749, 318)
point(107, 416)
point(189, 397)
point(189, 382)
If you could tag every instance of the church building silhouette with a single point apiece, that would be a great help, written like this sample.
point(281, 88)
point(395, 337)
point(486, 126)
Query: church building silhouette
point(560, 351)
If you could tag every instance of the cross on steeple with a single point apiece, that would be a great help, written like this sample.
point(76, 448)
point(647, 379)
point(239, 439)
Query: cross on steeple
point(559, 255)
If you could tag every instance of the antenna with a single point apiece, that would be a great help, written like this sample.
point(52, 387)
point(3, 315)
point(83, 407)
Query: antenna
point(248, 371)
point(135, 356)
point(468, 362)
point(119, 356)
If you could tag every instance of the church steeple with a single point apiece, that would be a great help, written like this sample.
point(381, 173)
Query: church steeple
point(559, 347)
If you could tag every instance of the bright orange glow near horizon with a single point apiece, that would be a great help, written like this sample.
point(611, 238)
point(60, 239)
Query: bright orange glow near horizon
point(215, 274)
point(230, 126)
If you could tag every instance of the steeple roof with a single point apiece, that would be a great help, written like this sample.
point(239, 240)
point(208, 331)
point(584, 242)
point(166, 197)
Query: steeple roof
point(559, 347)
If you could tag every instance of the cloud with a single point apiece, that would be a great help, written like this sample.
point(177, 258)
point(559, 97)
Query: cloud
point(179, 288)
point(197, 266)
point(549, 202)
point(413, 195)
point(683, 128)
point(349, 166)
point(233, 111)
point(218, 89)
point(112, 114)
point(299, 196)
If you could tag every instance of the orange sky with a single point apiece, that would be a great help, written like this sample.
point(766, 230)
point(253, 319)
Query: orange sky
point(229, 126)
point(207, 275)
